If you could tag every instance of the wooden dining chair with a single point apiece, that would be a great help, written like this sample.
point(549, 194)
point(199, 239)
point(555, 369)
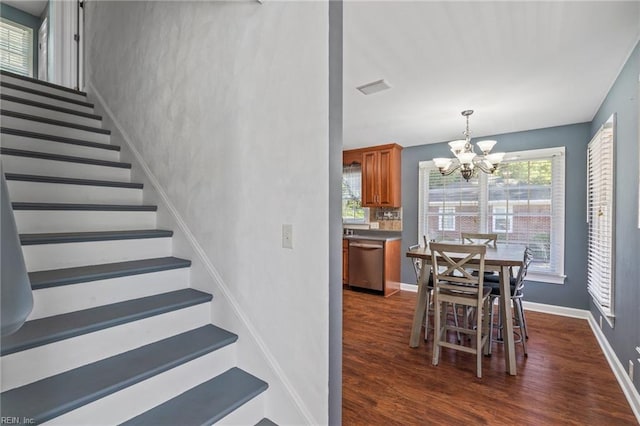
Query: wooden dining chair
point(453, 284)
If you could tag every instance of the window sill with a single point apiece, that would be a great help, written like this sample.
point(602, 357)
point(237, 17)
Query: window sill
point(545, 278)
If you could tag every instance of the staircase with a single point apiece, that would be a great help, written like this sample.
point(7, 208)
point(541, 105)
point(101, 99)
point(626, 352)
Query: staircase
point(116, 335)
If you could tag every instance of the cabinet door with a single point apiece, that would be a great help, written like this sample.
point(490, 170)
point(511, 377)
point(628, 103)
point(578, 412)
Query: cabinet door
point(389, 194)
point(370, 179)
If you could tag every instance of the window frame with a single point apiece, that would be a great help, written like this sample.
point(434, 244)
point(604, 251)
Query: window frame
point(557, 156)
point(448, 213)
point(28, 53)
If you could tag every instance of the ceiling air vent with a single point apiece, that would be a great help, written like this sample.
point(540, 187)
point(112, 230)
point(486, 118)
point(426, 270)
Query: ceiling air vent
point(374, 87)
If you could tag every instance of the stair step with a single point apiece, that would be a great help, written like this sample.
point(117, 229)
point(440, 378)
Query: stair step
point(83, 207)
point(62, 101)
point(30, 117)
point(42, 105)
point(83, 237)
point(66, 276)
point(71, 181)
point(67, 158)
point(53, 329)
point(266, 422)
point(51, 397)
point(7, 75)
point(53, 138)
point(46, 95)
point(206, 403)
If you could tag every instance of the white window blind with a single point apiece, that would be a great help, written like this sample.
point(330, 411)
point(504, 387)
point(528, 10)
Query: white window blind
point(600, 211)
point(16, 48)
point(523, 202)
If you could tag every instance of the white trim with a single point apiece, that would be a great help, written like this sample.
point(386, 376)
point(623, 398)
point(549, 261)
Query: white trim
point(556, 310)
point(413, 288)
point(210, 269)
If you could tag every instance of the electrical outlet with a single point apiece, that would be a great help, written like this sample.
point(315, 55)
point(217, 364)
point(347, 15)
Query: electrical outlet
point(631, 370)
point(287, 236)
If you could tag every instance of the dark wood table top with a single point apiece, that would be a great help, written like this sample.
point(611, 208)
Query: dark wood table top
point(503, 255)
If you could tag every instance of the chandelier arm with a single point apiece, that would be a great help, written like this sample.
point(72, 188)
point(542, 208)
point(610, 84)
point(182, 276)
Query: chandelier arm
point(449, 171)
point(480, 163)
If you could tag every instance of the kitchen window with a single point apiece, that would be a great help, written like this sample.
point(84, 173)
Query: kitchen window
point(523, 202)
point(16, 48)
point(352, 210)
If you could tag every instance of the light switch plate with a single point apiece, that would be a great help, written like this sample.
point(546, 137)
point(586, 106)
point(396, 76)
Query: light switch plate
point(287, 236)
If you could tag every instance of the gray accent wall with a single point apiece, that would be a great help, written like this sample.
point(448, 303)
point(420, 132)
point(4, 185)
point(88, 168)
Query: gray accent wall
point(574, 138)
point(623, 100)
point(23, 18)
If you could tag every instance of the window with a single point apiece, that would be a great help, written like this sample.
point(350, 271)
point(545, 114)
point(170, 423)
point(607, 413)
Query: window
point(523, 202)
point(16, 48)
point(352, 210)
point(446, 219)
point(600, 214)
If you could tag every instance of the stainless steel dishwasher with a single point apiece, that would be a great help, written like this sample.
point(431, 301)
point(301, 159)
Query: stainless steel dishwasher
point(366, 264)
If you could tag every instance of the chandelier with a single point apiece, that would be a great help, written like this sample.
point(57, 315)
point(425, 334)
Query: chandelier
point(466, 158)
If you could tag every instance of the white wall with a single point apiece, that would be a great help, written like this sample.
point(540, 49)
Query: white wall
point(228, 104)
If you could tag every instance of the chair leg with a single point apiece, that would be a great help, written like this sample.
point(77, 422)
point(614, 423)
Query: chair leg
point(519, 317)
point(436, 330)
point(486, 326)
point(479, 325)
point(426, 317)
point(524, 320)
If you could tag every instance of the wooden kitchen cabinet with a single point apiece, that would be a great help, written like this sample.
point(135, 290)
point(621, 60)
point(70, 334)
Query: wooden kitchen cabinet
point(345, 261)
point(381, 176)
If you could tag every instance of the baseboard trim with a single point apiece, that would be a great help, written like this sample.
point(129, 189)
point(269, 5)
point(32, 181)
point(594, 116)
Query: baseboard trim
point(629, 390)
point(211, 270)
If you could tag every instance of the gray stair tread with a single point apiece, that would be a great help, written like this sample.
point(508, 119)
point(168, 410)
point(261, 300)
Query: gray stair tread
point(47, 106)
point(206, 403)
point(81, 237)
point(61, 139)
point(59, 394)
point(44, 94)
point(266, 422)
point(42, 83)
point(67, 158)
point(70, 181)
point(30, 117)
point(43, 331)
point(83, 207)
point(66, 276)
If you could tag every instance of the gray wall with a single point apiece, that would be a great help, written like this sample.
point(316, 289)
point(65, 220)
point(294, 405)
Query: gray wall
point(575, 138)
point(23, 18)
point(623, 100)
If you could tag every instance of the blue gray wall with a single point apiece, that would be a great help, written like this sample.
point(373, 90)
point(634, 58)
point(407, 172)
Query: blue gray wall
point(23, 18)
point(575, 138)
point(623, 101)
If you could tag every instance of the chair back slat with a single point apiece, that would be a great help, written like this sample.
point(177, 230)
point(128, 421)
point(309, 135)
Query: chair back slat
point(451, 265)
point(475, 238)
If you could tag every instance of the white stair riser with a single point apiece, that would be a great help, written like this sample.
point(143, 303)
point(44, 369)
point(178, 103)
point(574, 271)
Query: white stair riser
point(46, 100)
point(250, 413)
point(49, 113)
point(42, 88)
point(41, 257)
point(134, 400)
point(37, 166)
point(53, 147)
point(27, 366)
point(53, 129)
point(37, 221)
point(43, 192)
point(74, 297)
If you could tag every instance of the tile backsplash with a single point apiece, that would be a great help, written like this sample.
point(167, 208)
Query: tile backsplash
point(388, 219)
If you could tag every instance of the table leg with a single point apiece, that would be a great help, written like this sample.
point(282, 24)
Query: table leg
point(418, 315)
point(507, 321)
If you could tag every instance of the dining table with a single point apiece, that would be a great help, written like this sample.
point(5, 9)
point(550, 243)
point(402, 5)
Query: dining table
point(499, 259)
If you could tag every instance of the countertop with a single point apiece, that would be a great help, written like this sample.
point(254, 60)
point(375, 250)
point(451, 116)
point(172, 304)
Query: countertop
point(372, 237)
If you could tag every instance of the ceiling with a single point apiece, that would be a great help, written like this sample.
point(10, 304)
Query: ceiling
point(519, 65)
point(32, 7)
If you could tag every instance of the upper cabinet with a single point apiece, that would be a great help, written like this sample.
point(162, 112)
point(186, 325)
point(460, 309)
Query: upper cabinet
point(380, 174)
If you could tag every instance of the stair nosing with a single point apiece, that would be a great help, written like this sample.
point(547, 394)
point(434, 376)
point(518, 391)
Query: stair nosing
point(64, 158)
point(83, 237)
point(45, 94)
point(19, 177)
point(16, 99)
point(190, 297)
point(104, 382)
point(53, 122)
point(61, 139)
point(30, 206)
point(84, 274)
point(42, 83)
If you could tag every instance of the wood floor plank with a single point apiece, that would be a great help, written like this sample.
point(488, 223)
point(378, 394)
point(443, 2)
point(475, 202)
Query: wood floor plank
point(565, 380)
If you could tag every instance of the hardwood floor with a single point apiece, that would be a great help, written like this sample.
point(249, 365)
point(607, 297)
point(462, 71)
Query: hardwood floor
point(565, 380)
